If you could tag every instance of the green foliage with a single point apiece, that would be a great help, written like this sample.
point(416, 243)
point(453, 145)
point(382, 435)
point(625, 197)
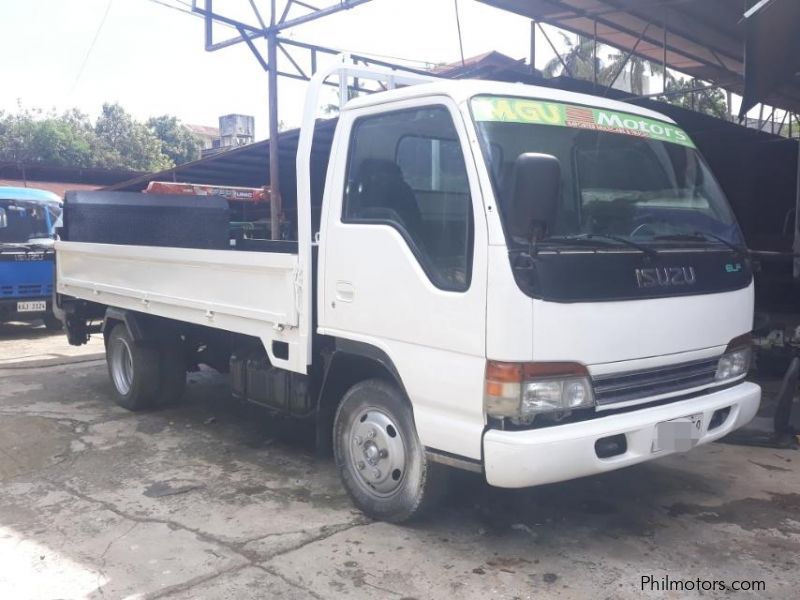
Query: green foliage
point(637, 69)
point(795, 128)
point(581, 64)
point(177, 141)
point(31, 136)
point(121, 140)
point(114, 140)
point(578, 57)
point(709, 101)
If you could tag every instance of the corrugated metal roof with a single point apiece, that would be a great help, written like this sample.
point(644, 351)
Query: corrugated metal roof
point(704, 38)
point(58, 178)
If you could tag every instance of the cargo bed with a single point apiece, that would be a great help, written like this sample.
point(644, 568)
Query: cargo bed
point(175, 260)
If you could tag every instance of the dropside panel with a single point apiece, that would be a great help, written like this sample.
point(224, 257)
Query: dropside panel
point(253, 293)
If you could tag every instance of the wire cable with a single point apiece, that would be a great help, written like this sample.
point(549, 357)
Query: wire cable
point(91, 46)
point(458, 27)
point(187, 8)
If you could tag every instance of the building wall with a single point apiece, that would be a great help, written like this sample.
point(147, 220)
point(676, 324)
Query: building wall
point(57, 187)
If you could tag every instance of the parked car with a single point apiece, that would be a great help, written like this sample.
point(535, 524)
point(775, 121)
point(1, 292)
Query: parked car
point(27, 231)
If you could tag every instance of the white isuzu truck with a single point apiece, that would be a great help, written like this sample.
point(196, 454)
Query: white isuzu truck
point(523, 282)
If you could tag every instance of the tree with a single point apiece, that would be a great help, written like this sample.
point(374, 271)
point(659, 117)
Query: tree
point(636, 67)
point(32, 136)
point(177, 141)
point(127, 143)
point(581, 63)
point(795, 128)
point(708, 101)
point(579, 59)
point(114, 140)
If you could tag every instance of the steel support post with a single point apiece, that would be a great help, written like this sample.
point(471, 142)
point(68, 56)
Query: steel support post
point(275, 209)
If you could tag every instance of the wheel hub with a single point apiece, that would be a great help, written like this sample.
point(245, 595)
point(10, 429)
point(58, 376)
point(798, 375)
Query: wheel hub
point(121, 366)
point(371, 453)
point(377, 452)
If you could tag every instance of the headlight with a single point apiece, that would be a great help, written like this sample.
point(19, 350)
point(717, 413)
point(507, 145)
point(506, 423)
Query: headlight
point(733, 364)
point(521, 391)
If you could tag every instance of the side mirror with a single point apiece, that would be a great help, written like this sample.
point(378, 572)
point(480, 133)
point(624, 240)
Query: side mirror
point(535, 192)
point(3, 218)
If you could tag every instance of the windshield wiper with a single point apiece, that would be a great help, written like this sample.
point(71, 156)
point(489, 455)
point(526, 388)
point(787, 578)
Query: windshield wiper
point(700, 236)
point(650, 252)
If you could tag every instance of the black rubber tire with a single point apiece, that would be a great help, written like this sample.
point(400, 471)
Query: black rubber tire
point(52, 323)
point(424, 483)
point(144, 387)
point(172, 372)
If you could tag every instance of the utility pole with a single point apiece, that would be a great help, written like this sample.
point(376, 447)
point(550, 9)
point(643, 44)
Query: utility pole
point(294, 13)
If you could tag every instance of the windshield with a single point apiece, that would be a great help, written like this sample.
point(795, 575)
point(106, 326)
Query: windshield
point(622, 175)
point(22, 220)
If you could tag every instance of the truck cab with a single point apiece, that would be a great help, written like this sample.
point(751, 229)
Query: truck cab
point(27, 226)
point(561, 273)
point(527, 283)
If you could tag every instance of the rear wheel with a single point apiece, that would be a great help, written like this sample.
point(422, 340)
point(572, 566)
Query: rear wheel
point(133, 369)
point(379, 456)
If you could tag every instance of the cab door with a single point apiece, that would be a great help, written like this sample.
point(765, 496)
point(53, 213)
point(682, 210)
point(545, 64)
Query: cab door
point(403, 260)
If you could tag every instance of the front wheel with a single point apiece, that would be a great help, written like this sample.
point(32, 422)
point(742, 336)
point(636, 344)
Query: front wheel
point(379, 456)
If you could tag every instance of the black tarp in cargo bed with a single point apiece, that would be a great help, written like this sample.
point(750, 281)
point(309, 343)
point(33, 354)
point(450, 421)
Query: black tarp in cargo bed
point(132, 218)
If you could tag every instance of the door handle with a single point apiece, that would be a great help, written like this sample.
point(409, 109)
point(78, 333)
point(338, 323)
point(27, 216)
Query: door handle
point(345, 292)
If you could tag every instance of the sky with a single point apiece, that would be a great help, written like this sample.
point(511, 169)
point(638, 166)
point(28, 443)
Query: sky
point(151, 59)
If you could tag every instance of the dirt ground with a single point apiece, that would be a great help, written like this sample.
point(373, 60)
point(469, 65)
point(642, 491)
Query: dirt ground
point(213, 500)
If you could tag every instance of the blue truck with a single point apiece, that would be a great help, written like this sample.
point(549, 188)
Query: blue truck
point(27, 230)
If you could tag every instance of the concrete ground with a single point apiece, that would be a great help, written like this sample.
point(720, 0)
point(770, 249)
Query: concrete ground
point(212, 500)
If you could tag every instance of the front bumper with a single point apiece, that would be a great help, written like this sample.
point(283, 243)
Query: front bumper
point(8, 309)
point(514, 459)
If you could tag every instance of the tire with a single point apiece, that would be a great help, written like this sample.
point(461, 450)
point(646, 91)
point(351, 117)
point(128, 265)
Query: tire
point(380, 459)
point(52, 323)
point(172, 372)
point(133, 369)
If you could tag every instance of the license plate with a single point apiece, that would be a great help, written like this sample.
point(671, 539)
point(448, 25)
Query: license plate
point(678, 435)
point(32, 306)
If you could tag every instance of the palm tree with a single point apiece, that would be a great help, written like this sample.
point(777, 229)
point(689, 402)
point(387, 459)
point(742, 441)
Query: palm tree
point(579, 59)
point(581, 63)
point(636, 67)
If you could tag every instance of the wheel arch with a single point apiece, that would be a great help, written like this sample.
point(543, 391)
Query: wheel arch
point(115, 316)
point(349, 363)
point(141, 326)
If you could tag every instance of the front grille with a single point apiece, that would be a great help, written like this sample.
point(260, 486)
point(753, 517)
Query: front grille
point(29, 289)
point(6, 290)
point(635, 385)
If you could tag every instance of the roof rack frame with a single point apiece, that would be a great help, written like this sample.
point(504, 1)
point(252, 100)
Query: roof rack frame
point(345, 70)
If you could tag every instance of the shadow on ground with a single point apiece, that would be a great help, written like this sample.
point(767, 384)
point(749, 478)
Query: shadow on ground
point(16, 330)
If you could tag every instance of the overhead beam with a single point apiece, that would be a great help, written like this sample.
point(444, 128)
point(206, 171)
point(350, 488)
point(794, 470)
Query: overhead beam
point(627, 58)
point(317, 14)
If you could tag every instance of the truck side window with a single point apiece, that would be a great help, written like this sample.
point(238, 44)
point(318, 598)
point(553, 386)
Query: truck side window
point(406, 169)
